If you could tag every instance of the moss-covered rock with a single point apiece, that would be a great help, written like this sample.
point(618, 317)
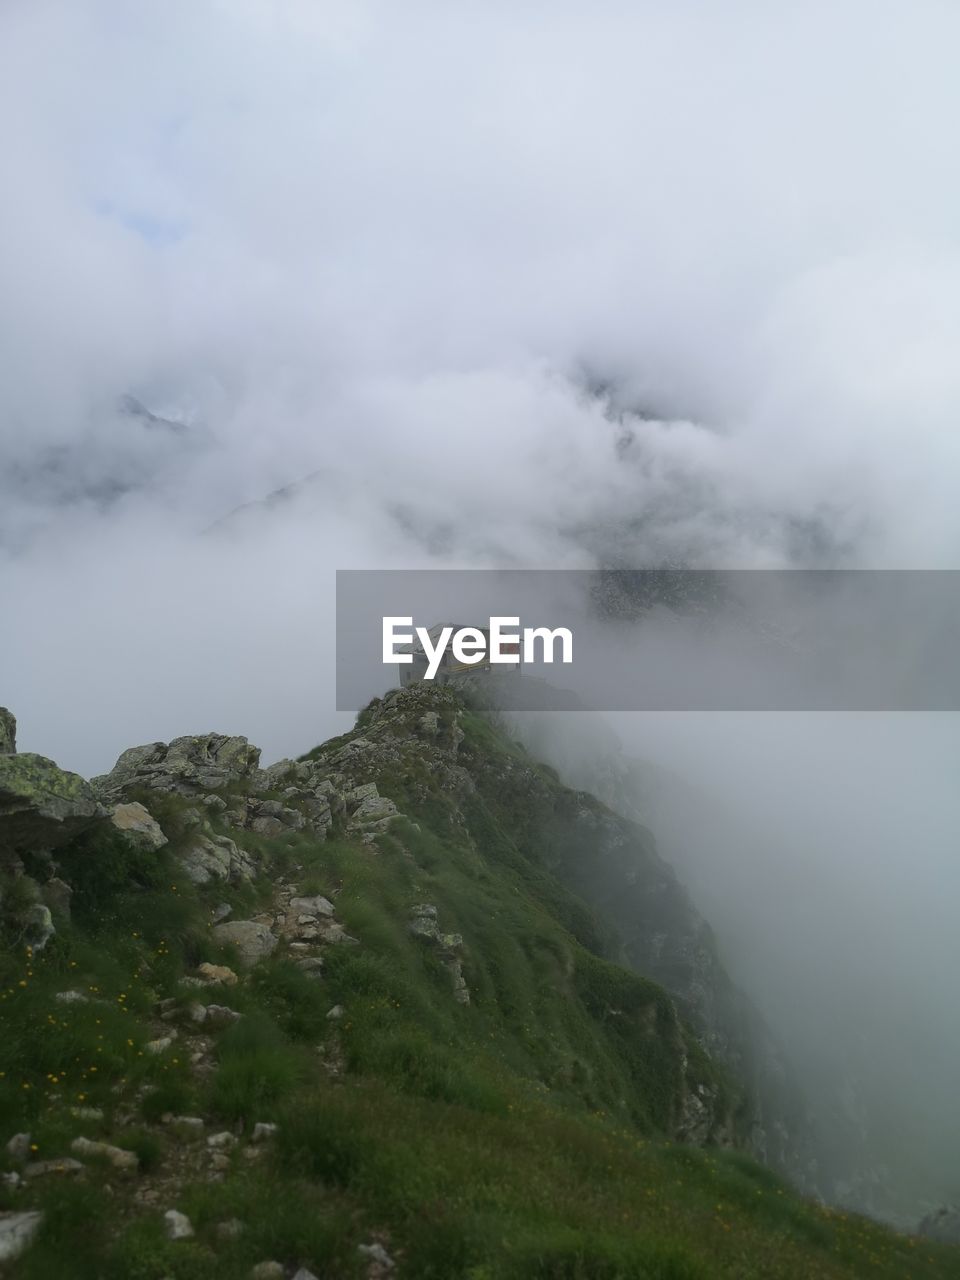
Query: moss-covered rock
point(41, 805)
point(189, 765)
point(8, 732)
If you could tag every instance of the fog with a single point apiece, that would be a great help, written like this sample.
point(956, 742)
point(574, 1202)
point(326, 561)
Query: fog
point(821, 847)
point(472, 286)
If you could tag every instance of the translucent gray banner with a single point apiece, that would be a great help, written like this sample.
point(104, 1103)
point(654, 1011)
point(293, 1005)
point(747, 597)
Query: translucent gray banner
point(662, 640)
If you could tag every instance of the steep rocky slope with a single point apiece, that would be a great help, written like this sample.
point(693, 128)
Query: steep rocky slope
point(367, 1014)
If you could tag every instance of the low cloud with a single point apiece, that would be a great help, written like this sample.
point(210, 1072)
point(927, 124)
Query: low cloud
point(463, 286)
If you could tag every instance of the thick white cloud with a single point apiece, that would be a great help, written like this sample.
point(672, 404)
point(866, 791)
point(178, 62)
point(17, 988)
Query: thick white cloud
point(393, 248)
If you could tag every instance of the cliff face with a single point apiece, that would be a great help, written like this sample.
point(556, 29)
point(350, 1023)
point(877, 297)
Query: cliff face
point(448, 769)
point(643, 918)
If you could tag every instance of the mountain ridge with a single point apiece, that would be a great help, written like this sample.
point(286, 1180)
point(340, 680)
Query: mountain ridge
point(341, 1016)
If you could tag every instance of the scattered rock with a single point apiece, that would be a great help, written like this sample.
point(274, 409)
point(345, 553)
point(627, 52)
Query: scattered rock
point(376, 1253)
point(216, 858)
point(219, 1141)
point(10, 1180)
point(177, 1225)
point(86, 1113)
point(252, 940)
point(71, 997)
point(315, 906)
point(267, 1271)
point(217, 974)
point(263, 1132)
point(336, 1013)
point(187, 1126)
point(40, 1168)
point(18, 1148)
point(218, 1015)
point(126, 1161)
point(38, 927)
point(231, 1229)
point(304, 1274)
point(138, 827)
point(330, 931)
point(158, 1046)
point(333, 1060)
point(16, 1232)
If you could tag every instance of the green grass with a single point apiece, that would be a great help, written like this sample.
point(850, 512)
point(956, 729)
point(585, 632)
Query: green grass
point(519, 1136)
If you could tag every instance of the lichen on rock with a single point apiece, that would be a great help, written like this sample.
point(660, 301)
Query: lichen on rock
point(8, 732)
point(41, 805)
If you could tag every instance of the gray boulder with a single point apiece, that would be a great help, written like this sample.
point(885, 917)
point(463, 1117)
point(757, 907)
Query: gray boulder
point(212, 858)
point(37, 926)
point(41, 805)
point(8, 733)
point(371, 811)
point(177, 1225)
point(281, 774)
point(423, 922)
point(318, 905)
point(119, 1157)
point(190, 766)
point(140, 830)
point(252, 940)
point(16, 1232)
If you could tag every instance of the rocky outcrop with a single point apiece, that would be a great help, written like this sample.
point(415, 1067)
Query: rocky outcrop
point(190, 766)
point(41, 805)
point(369, 811)
point(8, 732)
point(199, 767)
point(213, 857)
point(412, 744)
point(424, 925)
point(308, 924)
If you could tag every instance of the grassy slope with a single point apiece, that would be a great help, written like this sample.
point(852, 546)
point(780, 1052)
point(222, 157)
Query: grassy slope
point(517, 1136)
